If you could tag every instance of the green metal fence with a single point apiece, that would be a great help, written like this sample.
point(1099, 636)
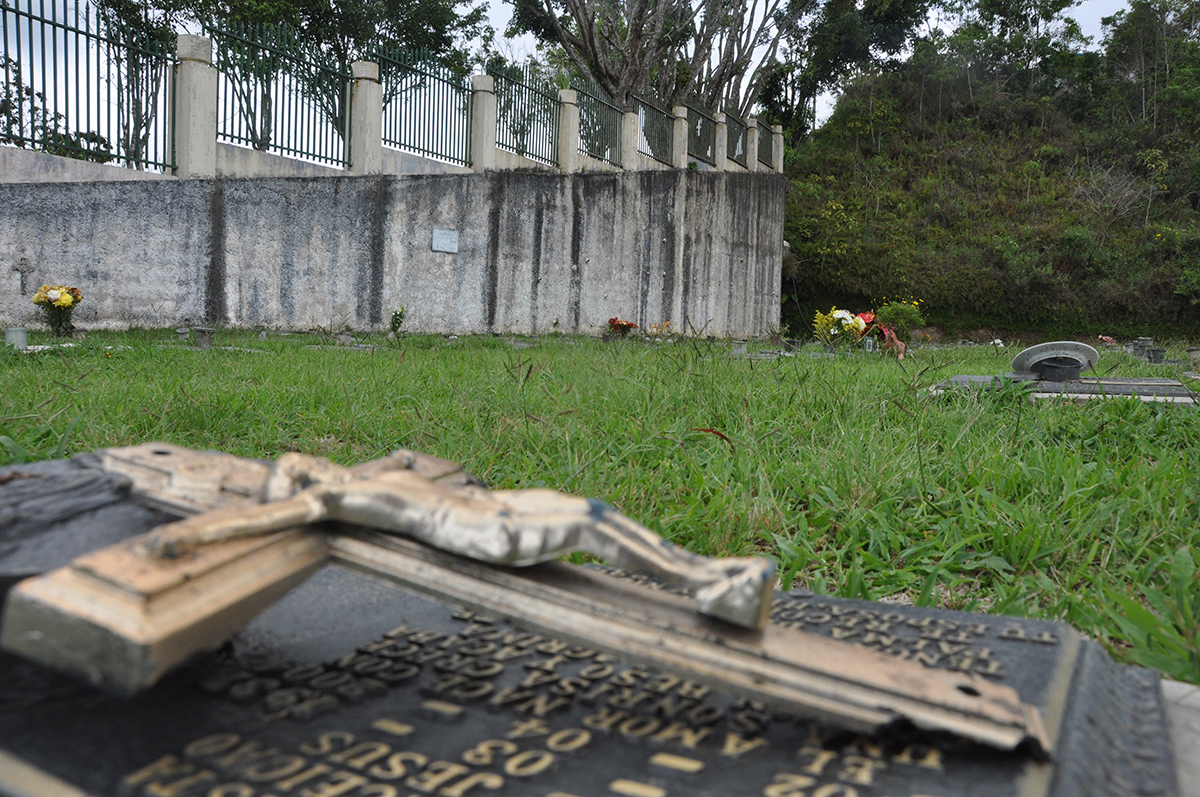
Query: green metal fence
point(765, 146)
point(599, 122)
point(656, 130)
point(426, 105)
point(277, 94)
point(737, 140)
point(89, 83)
point(527, 114)
point(702, 135)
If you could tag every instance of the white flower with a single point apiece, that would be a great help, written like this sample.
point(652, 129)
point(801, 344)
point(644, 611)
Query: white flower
point(843, 315)
point(53, 296)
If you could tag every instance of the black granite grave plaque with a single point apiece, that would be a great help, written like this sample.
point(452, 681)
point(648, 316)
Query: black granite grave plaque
point(352, 686)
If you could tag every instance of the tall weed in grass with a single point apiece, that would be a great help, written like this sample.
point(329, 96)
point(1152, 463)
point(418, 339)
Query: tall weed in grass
point(844, 469)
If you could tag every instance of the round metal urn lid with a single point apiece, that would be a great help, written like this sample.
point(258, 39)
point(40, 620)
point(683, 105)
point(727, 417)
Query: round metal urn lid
point(1029, 359)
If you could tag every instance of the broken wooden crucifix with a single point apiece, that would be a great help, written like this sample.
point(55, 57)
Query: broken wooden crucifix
point(123, 616)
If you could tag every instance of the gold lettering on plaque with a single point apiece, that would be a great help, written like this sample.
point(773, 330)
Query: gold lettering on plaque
point(523, 728)
point(632, 788)
point(211, 745)
point(637, 727)
point(165, 767)
point(687, 736)
point(394, 768)
point(737, 745)
point(567, 740)
point(231, 790)
point(179, 787)
point(693, 690)
point(282, 766)
point(921, 756)
point(488, 780)
point(361, 755)
point(859, 769)
point(436, 774)
point(787, 784)
point(338, 784)
point(378, 790)
point(392, 726)
point(835, 790)
point(820, 759)
point(328, 742)
point(484, 753)
point(677, 762)
point(528, 763)
point(542, 705)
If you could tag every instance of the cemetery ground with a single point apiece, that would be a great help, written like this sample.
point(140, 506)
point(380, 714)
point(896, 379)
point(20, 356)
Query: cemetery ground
point(844, 469)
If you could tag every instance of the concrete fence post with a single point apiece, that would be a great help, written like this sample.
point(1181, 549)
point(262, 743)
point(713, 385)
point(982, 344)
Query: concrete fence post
point(483, 123)
point(752, 144)
point(568, 131)
point(777, 148)
point(721, 145)
point(366, 119)
point(195, 108)
point(679, 139)
point(629, 139)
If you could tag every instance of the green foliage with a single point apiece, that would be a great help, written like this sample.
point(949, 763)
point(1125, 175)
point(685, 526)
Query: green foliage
point(1164, 627)
point(902, 317)
point(1058, 193)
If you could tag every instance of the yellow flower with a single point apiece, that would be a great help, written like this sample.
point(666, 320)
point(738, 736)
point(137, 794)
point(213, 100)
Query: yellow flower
point(65, 300)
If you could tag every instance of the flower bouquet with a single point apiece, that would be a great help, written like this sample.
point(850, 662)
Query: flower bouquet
point(620, 328)
point(838, 327)
point(57, 303)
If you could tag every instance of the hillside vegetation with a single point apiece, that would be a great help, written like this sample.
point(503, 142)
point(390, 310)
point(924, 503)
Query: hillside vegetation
point(1011, 180)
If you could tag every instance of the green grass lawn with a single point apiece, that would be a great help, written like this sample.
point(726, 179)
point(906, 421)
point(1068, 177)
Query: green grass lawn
point(845, 470)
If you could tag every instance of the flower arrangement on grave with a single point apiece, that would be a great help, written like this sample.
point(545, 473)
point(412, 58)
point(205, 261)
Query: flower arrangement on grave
point(901, 316)
point(620, 328)
point(57, 303)
point(659, 329)
point(838, 327)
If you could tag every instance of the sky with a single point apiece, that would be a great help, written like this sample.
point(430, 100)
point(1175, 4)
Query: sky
point(1088, 14)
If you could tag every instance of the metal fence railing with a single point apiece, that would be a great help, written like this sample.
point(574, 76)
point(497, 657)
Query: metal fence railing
point(766, 147)
point(599, 122)
point(275, 94)
point(87, 82)
point(737, 139)
point(426, 106)
point(656, 130)
point(527, 113)
point(702, 135)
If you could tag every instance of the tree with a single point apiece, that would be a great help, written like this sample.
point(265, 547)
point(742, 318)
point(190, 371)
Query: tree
point(140, 41)
point(717, 52)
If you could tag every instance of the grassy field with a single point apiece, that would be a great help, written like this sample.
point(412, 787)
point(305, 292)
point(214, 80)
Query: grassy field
point(845, 470)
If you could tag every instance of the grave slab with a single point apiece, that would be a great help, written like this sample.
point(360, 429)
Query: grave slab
point(352, 685)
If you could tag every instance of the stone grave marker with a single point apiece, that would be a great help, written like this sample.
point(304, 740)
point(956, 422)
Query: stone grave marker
point(1056, 370)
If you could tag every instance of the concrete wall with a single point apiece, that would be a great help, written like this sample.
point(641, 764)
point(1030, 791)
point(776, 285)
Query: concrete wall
point(26, 166)
point(533, 249)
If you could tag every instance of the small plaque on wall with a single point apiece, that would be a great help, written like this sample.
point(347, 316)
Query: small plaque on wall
point(445, 240)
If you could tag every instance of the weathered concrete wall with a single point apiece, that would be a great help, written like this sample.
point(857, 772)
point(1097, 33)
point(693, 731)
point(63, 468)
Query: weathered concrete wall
point(533, 249)
point(26, 166)
point(236, 161)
